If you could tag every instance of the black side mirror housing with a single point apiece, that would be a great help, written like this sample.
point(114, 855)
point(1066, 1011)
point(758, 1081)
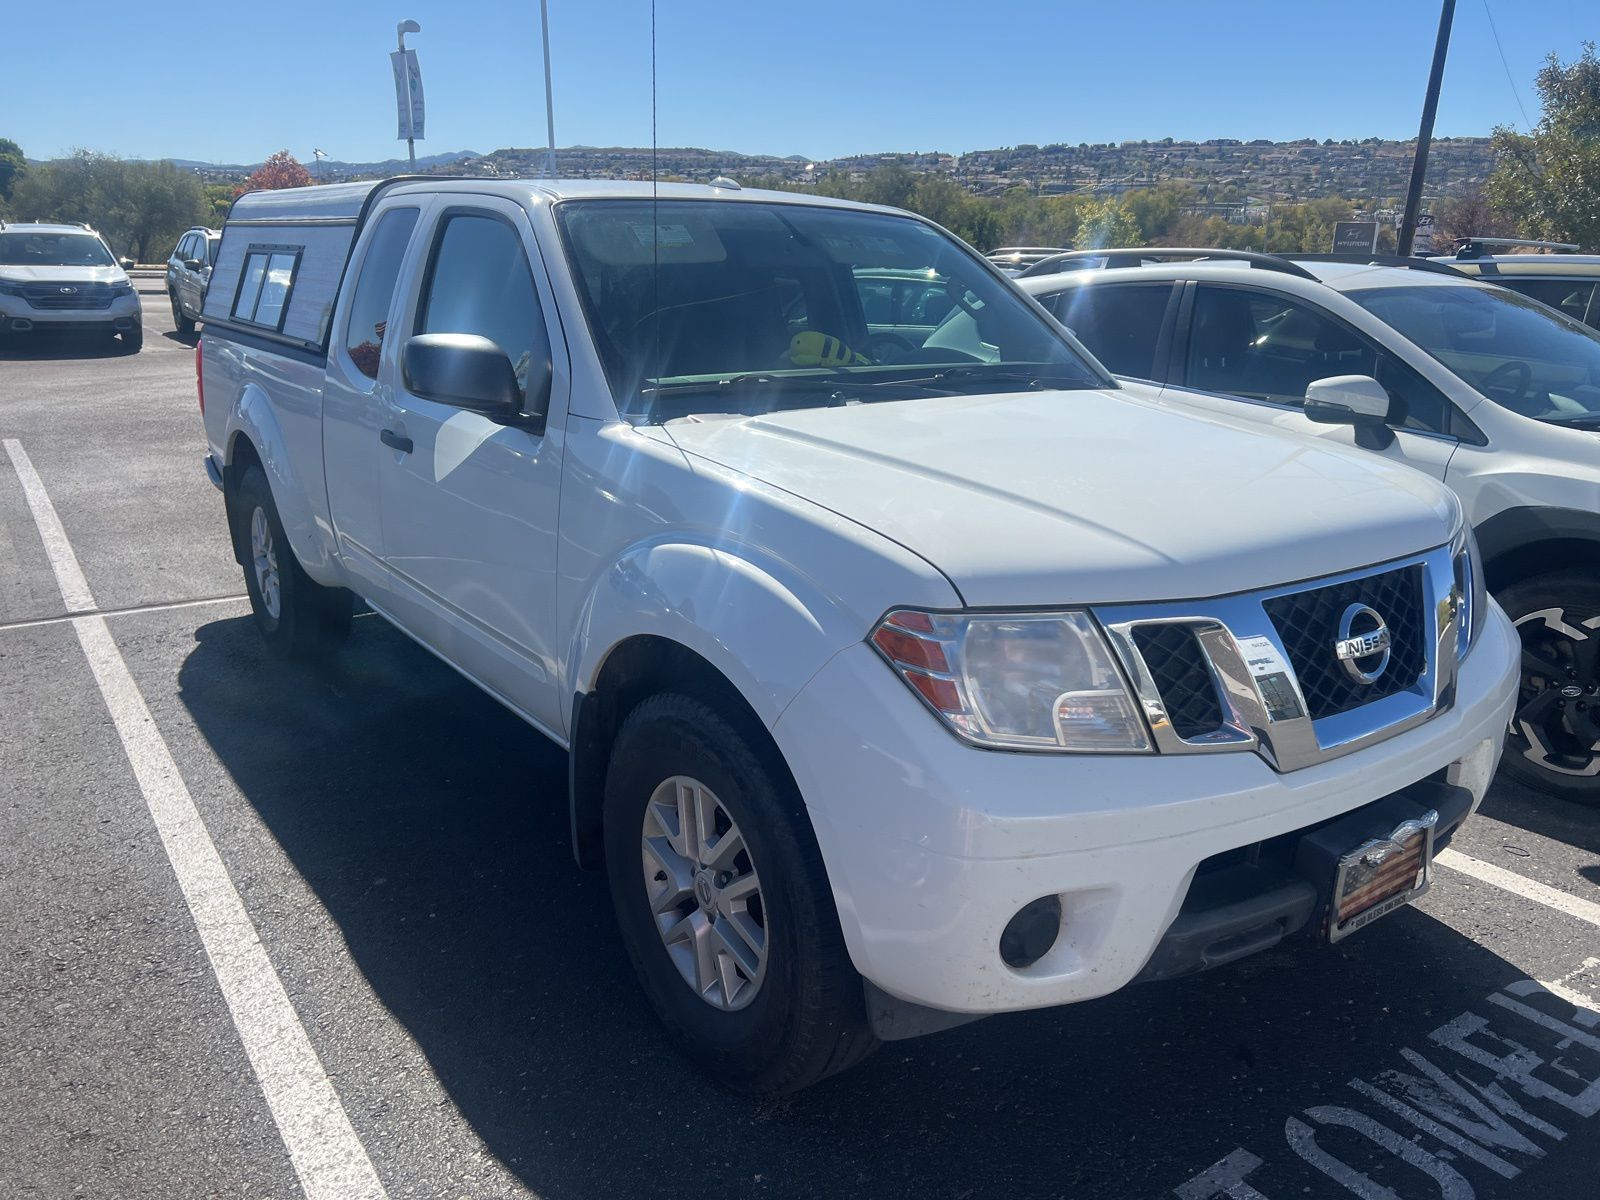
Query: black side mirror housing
point(472, 372)
point(193, 264)
point(126, 264)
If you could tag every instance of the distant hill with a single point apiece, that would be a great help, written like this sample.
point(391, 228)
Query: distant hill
point(332, 167)
point(1221, 170)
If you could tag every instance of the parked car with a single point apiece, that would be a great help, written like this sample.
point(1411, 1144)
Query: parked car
point(188, 272)
point(1492, 392)
point(65, 278)
point(1014, 259)
point(895, 695)
point(1557, 276)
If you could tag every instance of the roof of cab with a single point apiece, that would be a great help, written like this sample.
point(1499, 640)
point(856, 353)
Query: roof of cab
point(344, 201)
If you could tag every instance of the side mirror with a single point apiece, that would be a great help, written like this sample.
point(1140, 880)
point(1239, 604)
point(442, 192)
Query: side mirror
point(1357, 400)
point(193, 264)
point(126, 264)
point(472, 372)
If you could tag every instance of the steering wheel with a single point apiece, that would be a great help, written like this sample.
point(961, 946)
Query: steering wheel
point(887, 348)
point(1524, 379)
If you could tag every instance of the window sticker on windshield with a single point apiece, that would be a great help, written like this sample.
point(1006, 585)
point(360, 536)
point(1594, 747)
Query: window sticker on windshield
point(1271, 673)
point(666, 235)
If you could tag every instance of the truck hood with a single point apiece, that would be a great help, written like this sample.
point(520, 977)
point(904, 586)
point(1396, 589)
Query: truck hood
point(47, 274)
point(1087, 497)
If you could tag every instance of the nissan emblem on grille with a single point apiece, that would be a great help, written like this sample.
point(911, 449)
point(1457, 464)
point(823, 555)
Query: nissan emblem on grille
point(1363, 645)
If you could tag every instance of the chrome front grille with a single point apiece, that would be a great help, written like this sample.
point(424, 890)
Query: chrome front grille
point(1182, 676)
point(1308, 623)
point(1266, 671)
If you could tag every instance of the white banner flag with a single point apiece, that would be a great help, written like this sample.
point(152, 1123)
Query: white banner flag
point(407, 92)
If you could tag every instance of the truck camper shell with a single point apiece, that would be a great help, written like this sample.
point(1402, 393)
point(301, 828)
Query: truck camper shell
point(282, 260)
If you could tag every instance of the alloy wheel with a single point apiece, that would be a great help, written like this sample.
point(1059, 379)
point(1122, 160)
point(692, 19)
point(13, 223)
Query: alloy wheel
point(263, 555)
point(704, 893)
point(1556, 725)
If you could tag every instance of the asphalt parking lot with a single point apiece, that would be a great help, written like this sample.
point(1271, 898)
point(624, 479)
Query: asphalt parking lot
point(399, 845)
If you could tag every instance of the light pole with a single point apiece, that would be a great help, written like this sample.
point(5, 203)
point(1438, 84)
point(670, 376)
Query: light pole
point(549, 105)
point(403, 28)
point(316, 158)
point(1430, 106)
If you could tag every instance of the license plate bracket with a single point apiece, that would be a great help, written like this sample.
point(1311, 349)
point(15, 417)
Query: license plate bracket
point(1381, 875)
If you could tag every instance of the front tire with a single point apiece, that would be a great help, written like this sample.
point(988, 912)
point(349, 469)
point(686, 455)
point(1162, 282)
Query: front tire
point(1553, 744)
point(132, 338)
point(724, 904)
point(297, 617)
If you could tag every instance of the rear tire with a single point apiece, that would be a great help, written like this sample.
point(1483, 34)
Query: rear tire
point(185, 325)
point(1553, 744)
point(297, 617)
point(782, 1007)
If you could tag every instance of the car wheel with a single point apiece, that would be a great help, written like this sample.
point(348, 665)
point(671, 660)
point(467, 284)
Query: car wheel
point(298, 617)
point(1554, 740)
point(724, 905)
point(132, 338)
point(185, 325)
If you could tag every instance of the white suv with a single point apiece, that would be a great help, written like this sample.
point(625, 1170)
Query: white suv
point(1486, 389)
point(64, 277)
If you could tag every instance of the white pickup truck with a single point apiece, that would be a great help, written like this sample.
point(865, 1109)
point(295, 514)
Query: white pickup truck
point(911, 668)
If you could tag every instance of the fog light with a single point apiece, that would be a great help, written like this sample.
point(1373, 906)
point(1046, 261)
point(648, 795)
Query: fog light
point(1029, 935)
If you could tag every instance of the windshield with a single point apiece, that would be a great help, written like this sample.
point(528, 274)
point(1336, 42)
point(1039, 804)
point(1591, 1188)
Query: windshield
point(19, 249)
point(759, 306)
point(1514, 350)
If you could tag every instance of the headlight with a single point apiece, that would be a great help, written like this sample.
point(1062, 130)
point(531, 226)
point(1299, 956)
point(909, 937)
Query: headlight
point(1015, 681)
point(122, 289)
point(1472, 599)
point(10, 289)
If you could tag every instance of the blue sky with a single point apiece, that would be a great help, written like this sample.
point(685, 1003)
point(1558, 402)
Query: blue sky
point(234, 81)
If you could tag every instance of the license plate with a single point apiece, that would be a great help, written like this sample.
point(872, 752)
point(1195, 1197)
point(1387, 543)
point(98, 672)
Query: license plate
point(1379, 876)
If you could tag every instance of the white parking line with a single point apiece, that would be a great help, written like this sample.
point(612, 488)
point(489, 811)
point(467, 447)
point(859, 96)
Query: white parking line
point(1528, 889)
point(131, 611)
point(327, 1155)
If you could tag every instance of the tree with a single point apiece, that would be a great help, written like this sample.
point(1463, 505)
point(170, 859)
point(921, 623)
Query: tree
point(1467, 216)
point(141, 207)
point(282, 170)
point(1551, 176)
point(1106, 223)
point(13, 166)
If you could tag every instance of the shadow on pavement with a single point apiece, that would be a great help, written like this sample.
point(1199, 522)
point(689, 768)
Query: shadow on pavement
point(183, 339)
point(432, 826)
point(1563, 820)
point(47, 346)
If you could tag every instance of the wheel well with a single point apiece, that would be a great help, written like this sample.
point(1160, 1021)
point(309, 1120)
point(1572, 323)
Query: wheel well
point(1517, 563)
point(635, 670)
point(242, 455)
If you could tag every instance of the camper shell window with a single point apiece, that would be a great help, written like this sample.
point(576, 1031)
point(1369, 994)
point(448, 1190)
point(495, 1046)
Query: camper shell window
point(265, 284)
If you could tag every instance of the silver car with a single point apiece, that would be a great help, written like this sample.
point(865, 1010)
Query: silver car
point(188, 273)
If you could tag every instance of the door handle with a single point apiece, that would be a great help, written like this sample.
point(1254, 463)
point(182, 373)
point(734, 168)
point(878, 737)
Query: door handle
point(395, 441)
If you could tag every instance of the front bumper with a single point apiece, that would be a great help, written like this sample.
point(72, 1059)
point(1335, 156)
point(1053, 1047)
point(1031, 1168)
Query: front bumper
point(931, 846)
point(18, 316)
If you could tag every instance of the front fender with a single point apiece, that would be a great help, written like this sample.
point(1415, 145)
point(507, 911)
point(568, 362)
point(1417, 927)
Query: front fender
point(254, 418)
point(765, 625)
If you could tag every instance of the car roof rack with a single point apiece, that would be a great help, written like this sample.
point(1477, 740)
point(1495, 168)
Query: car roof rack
point(1385, 260)
point(1472, 247)
point(1023, 256)
point(1078, 260)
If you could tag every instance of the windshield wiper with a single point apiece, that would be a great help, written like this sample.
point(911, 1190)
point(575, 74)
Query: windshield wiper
point(1038, 379)
point(1576, 421)
point(747, 379)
